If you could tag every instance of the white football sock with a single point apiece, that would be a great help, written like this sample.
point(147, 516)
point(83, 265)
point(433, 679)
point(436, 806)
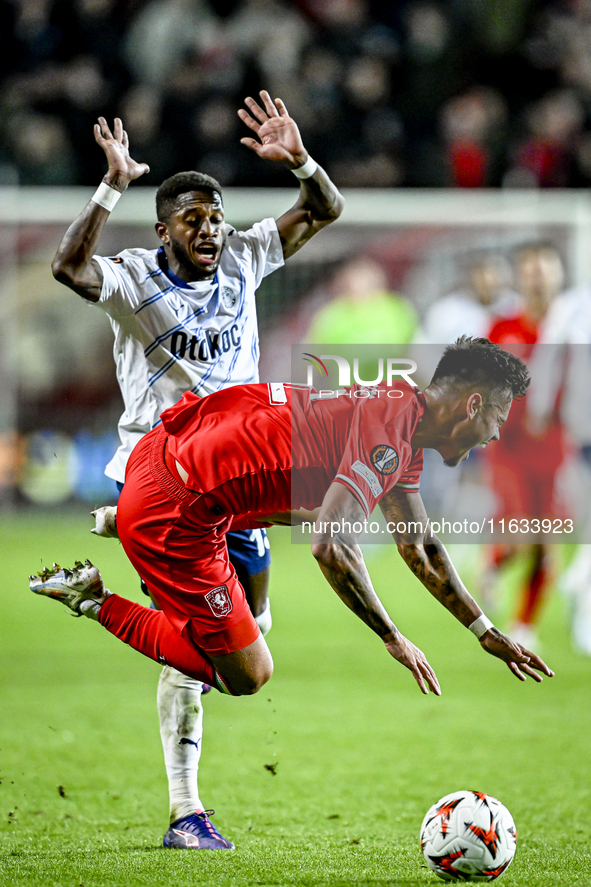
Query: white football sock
point(264, 620)
point(105, 521)
point(181, 730)
point(91, 608)
point(577, 577)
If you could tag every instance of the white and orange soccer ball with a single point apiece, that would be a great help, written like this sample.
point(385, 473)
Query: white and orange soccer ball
point(468, 836)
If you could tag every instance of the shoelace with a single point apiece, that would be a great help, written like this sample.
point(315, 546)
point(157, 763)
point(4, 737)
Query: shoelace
point(198, 825)
point(204, 817)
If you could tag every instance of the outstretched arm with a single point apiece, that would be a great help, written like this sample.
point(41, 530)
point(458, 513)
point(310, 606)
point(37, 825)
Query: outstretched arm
point(319, 201)
point(73, 264)
point(425, 555)
point(340, 559)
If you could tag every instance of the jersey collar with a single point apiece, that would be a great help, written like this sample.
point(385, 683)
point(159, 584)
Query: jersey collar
point(174, 278)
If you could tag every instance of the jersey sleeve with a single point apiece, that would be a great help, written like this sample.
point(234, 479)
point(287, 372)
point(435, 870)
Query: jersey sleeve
point(410, 479)
point(370, 461)
point(120, 295)
point(378, 456)
point(264, 244)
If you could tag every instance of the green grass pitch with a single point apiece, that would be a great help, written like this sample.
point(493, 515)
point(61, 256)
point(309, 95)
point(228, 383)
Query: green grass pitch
point(321, 779)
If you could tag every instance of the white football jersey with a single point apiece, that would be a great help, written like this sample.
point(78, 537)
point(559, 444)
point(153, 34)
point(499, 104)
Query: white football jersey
point(459, 314)
point(567, 323)
point(172, 337)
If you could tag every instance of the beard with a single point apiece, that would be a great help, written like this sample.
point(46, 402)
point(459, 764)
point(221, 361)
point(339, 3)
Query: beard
point(187, 266)
point(455, 461)
point(181, 255)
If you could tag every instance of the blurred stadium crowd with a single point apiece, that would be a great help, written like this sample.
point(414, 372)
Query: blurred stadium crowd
point(414, 93)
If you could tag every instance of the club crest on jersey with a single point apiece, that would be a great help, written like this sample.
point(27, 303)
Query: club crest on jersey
point(228, 297)
point(219, 601)
point(384, 459)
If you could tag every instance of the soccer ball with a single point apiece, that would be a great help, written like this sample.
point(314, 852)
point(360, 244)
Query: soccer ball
point(468, 836)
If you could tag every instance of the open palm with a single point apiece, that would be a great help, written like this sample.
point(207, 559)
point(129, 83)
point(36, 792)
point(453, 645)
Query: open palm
point(278, 134)
point(115, 144)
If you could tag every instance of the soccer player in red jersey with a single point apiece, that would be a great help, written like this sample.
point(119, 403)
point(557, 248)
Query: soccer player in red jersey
point(524, 465)
point(262, 454)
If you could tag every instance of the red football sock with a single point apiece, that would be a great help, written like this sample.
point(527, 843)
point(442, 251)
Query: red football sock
point(499, 554)
point(149, 632)
point(534, 590)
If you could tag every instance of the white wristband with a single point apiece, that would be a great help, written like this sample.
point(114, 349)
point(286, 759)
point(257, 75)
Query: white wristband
point(106, 196)
point(307, 170)
point(480, 626)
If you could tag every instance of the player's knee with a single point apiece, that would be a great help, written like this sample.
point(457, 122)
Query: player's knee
point(261, 675)
point(266, 672)
point(254, 678)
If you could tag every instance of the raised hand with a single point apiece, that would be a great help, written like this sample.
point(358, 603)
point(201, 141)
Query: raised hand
point(414, 659)
point(278, 134)
point(123, 169)
point(521, 662)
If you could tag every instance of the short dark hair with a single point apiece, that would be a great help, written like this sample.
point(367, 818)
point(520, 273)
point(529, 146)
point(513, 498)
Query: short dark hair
point(181, 183)
point(481, 362)
point(536, 246)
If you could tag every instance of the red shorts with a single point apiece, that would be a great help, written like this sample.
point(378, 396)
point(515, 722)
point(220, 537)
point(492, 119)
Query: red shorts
point(178, 547)
point(522, 489)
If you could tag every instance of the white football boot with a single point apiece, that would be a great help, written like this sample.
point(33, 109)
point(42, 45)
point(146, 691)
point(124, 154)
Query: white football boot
point(72, 587)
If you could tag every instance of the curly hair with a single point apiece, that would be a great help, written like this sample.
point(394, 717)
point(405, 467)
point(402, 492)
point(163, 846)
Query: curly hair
point(481, 362)
point(181, 183)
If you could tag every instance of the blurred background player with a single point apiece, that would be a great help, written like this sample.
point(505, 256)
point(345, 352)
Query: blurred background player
point(561, 362)
point(184, 319)
point(364, 310)
point(523, 465)
point(483, 295)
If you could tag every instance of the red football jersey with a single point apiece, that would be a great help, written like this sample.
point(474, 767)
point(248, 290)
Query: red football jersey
point(516, 330)
point(259, 449)
point(521, 460)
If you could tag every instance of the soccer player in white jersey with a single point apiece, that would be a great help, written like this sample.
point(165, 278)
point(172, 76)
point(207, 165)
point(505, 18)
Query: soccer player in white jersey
point(184, 319)
point(561, 362)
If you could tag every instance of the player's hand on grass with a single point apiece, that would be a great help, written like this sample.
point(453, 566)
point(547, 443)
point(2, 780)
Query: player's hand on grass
point(414, 659)
point(278, 133)
point(123, 169)
point(521, 662)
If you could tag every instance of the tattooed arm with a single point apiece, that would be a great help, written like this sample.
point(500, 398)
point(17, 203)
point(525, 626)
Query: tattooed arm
point(319, 203)
point(278, 138)
point(426, 556)
point(335, 547)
